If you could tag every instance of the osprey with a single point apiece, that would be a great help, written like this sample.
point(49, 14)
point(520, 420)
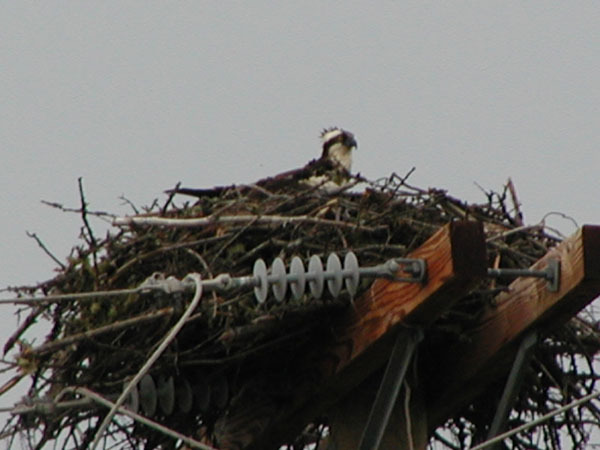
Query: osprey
point(329, 173)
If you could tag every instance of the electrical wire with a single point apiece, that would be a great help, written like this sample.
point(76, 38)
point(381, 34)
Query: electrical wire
point(161, 348)
point(262, 279)
point(80, 295)
point(141, 419)
point(537, 421)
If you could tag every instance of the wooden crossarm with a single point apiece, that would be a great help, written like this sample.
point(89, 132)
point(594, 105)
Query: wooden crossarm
point(455, 257)
point(362, 338)
point(460, 372)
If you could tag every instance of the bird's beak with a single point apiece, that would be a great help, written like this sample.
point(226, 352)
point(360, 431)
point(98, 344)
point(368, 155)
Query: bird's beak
point(351, 143)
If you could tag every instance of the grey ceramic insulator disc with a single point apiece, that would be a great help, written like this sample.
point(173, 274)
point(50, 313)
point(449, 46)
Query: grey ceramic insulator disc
point(184, 395)
point(334, 267)
point(315, 269)
point(260, 272)
point(279, 279)
point(148, 397)
point(352, 275)
point(297, 270)
point(132, 402)
point(165, 390)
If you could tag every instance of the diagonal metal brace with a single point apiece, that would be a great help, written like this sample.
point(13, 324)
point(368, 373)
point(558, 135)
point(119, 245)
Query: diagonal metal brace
point(400, 358)
point(513, 383)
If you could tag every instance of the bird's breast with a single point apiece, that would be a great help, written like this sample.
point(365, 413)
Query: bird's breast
point(342, 155)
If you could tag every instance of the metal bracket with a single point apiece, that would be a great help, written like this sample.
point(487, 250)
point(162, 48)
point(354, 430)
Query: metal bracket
point(551, 274)
point(416, 269)
point(513, 383)
point(400, 358)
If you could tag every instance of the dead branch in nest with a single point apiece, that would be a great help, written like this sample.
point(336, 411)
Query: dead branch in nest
point(61, 207)
point(45, 249)
point(90, 233)
point(89, 334)
point(29, 320)
point(244, 219)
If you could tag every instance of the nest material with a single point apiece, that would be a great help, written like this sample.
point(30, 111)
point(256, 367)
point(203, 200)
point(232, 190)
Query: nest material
point(100, 343)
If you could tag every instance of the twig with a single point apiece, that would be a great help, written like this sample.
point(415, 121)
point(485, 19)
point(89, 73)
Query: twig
point(93, 242)
point(130, 203)
point(509, 250)
point(537, 226)
point(43, 247)
point(269, 220)
point(139, 258)
point(61, 207)
point(22, 328)
point(244, 354)
point(232, 239)
point(559, 214)
point(404, 183)
point(245, 332)
point(251, 254)
point(11, 383)
point(172, 193)
point(401, 249)
point(518, 216)
point(201, 260)
point(53, 345)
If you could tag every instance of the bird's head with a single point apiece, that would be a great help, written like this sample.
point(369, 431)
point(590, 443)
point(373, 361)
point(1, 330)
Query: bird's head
point(338, 145)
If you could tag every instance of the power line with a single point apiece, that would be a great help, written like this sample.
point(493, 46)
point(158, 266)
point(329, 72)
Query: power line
point(150, 423)
point(537, 421)
point(161, 348)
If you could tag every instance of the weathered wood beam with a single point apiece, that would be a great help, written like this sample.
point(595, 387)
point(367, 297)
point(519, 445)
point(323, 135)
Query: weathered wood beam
point(459, 373)
point(456, 259)
point(362, 338)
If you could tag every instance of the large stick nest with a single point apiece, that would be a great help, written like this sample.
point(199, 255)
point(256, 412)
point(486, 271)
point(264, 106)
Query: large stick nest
point(100, 343)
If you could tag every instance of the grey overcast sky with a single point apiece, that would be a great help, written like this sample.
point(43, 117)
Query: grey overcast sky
point(136, 96)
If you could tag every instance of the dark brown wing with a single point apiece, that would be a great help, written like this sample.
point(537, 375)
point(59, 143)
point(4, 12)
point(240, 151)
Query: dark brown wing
point(282, 181)
point(195, 192)
point(293, 178)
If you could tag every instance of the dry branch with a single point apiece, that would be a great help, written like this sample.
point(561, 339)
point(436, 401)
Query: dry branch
point(90, 334)
point(241, 219)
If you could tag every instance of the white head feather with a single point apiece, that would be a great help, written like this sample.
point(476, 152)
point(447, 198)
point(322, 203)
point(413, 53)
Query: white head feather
point(338, 145)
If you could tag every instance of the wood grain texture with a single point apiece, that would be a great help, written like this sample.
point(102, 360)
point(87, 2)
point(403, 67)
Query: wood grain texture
point(455, 257)
point(363, 337)
point(463, 370)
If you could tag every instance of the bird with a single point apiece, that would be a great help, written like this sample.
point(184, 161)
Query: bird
point(329, 173)
point(338, 145)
